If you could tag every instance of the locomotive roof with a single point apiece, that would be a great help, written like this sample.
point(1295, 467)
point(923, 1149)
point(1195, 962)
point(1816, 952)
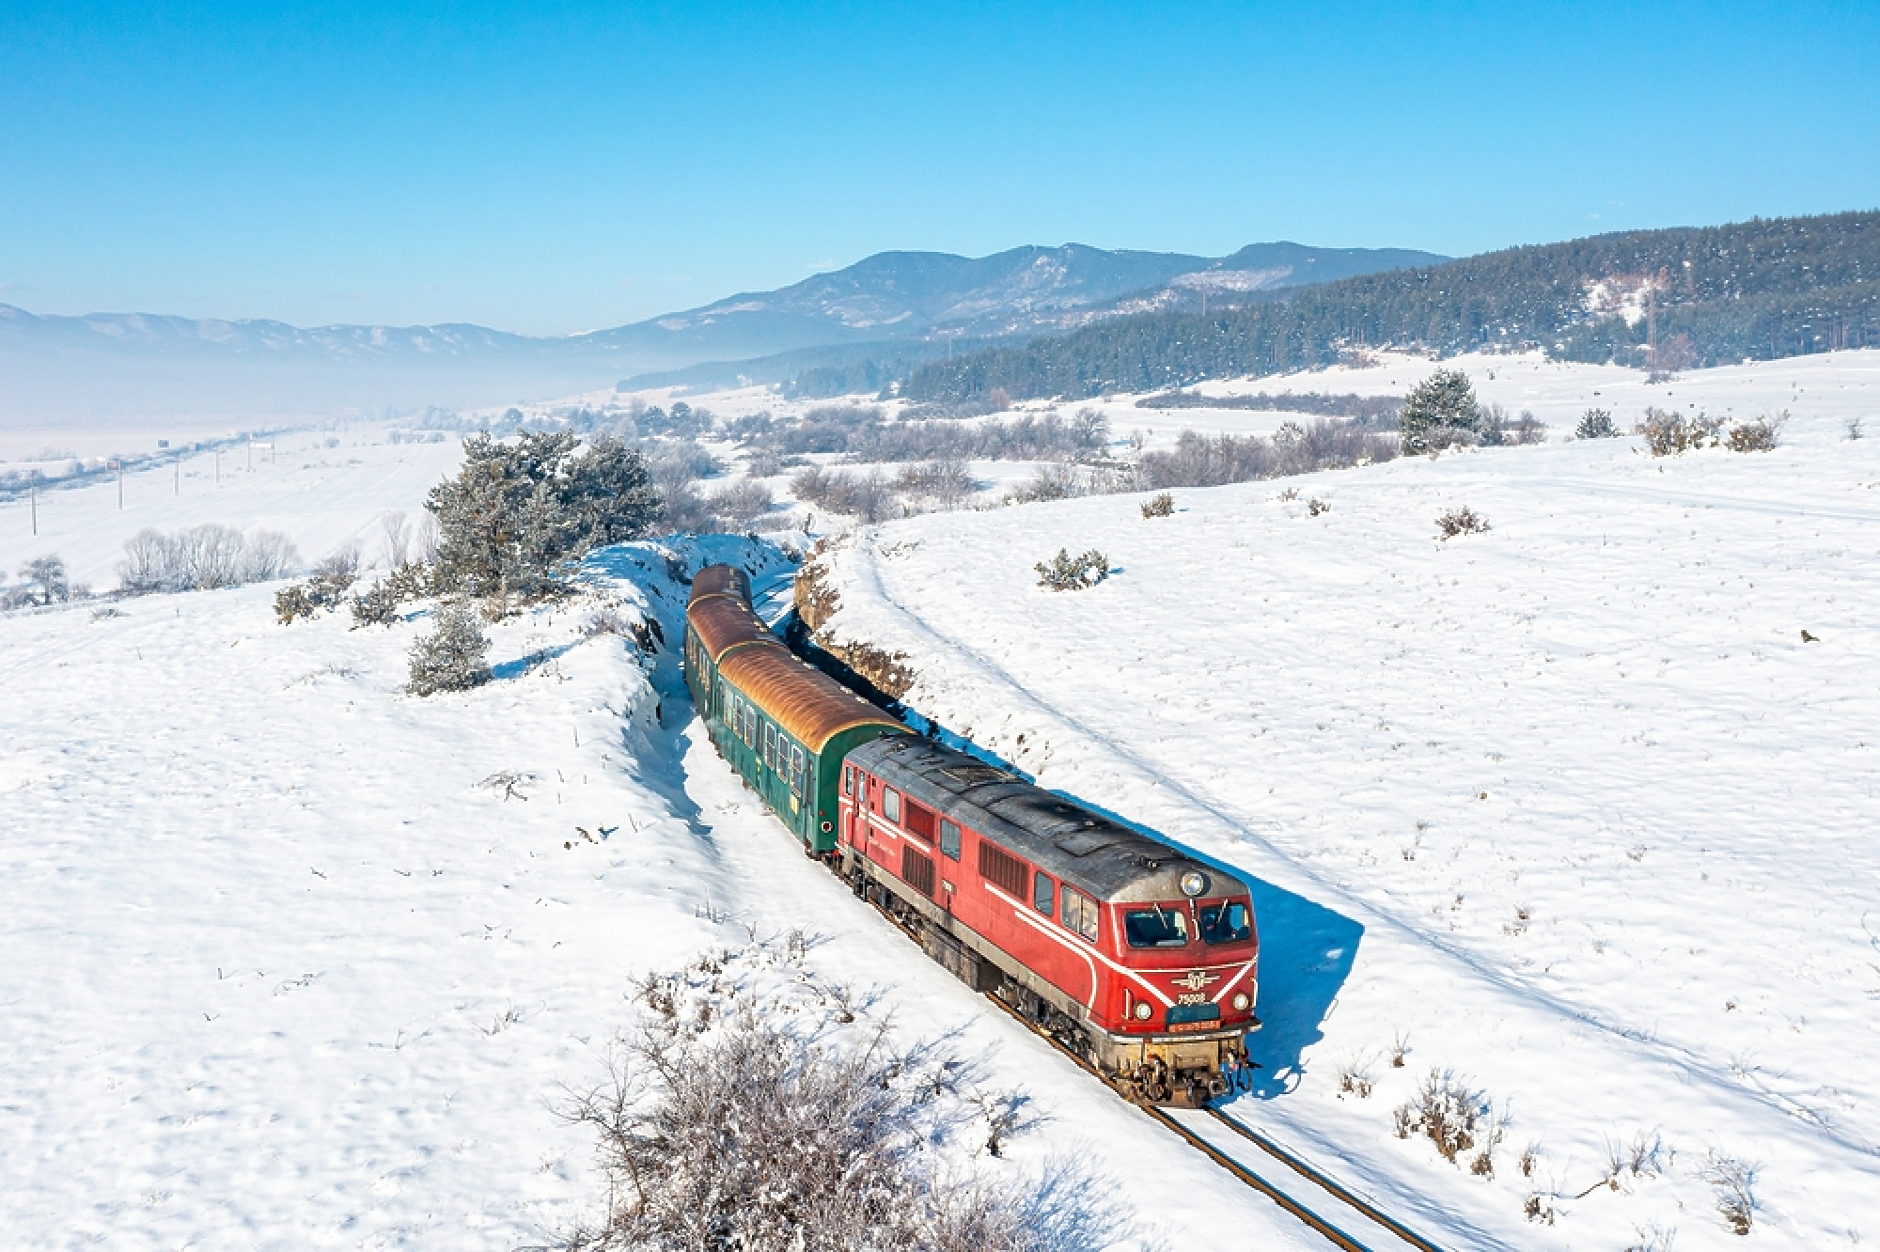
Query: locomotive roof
point(723, 623)
point(810, 706)
point(1060, 836)
point(721, 580)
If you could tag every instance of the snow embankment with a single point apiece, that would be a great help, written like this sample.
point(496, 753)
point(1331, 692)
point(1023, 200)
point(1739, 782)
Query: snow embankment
point(1569, 808)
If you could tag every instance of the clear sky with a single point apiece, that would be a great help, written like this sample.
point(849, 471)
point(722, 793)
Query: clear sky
point(550, 168)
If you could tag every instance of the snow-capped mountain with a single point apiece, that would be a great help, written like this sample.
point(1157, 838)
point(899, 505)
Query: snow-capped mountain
point(104, 363)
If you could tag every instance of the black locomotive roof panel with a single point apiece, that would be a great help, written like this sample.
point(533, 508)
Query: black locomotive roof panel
point(1059, 836)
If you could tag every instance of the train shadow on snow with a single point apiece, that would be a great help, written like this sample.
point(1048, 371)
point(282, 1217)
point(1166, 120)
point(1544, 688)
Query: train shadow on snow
point(1306, 950)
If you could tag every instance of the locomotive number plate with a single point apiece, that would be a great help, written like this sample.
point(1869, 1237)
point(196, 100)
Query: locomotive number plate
point(1193, 997)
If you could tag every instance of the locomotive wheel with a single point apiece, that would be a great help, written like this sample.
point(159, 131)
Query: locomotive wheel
point(1152, 1077)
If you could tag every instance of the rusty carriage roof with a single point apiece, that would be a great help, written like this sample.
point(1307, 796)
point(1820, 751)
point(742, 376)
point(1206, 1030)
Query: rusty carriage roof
point(1074, 843)
point(724, 622)
point(810, 706)
point(721, 580)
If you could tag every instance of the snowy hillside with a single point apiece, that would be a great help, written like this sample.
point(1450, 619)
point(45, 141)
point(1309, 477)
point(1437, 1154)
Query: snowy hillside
point(1568, 808)
point(294, 960)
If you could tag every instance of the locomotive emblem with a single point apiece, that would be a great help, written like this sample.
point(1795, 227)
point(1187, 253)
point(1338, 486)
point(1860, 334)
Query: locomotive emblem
point(1195, 980)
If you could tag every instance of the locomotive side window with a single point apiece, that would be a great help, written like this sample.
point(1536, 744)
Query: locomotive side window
point(949, 839)
point(1226, 923)
point(1079, 912)
point(891, 804)
point(848, 780)
point(1043, 893)
point(1156, 928)
point(920, 821)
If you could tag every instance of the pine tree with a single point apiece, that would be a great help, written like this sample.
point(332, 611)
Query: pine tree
point(1440, 403)
point(451, 657)
point(518, 511)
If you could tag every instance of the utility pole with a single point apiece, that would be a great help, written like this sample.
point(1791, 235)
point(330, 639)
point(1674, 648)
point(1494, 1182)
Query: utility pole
point(32, 498)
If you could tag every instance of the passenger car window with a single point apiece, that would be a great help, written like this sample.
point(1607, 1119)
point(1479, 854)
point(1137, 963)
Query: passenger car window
point(1226, 923)
point(949, 839)
point(1043, 892)
point(1156, 928)
point(891, 804)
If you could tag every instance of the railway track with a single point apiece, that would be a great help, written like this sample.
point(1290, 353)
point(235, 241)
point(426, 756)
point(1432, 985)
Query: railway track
point(1343, 1219)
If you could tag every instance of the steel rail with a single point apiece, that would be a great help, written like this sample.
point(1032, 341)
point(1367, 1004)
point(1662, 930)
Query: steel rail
point(1370, 1211)
point(1320, 1225)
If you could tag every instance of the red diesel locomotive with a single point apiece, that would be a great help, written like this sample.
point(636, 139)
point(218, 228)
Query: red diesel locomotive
point(1136, 956)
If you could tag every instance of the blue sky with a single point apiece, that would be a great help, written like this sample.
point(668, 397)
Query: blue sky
point(552, 168)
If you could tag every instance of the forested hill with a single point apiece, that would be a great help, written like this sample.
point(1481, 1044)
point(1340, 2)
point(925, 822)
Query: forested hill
point(1762, 288)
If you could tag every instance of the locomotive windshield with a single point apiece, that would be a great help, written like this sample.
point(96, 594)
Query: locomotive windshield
point(1226, 923)
point(1156, 928)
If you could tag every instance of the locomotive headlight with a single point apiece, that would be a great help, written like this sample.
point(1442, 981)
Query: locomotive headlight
point(1194, 883)
point(1241, 1002)
point(1143, 1010)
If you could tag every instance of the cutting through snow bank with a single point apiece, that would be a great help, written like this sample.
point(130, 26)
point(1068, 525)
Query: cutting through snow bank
point(754, 1104)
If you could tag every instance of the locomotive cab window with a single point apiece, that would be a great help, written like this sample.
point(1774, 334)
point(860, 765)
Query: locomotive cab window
point(1156, 928)
point(949, 839)
point(1079, 913)
point(848, 780)
point(1226, 923)
point(1043, 893)
point(891, 804)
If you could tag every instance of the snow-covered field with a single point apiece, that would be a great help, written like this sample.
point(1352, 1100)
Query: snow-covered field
point(1568, 807)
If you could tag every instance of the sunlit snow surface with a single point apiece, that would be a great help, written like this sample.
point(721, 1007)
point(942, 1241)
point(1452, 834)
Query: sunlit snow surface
point(276, 971)
point(1569, 805)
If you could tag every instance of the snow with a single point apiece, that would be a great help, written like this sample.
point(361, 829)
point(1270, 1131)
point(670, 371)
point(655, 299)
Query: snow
point(1569, 806)
point(279, 969)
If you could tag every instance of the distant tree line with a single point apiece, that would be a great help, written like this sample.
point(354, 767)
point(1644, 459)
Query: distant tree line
point(1318, 403)
point(1763, 288)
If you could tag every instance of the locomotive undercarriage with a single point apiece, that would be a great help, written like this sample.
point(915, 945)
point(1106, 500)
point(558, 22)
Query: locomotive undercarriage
point(1184, 1071)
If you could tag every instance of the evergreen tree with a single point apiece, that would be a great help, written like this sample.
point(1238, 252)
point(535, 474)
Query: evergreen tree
point(451, 657)
point(1443, 400)
point(518, 511)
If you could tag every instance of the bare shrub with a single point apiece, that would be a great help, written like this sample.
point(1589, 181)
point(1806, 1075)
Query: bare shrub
point(268, 555)
point(1854, 431)
point(201, 558)
point(1596, 424)
point(1670, 434)
point(863, 496)
point(1160, 505)
point(734, 1120)
point(1065, 572)
point(1316, 506)
point(1214, 461)
point(1055, 482)
point(397, 530)
point(1398, 1048)
point(947, 482)
point(1462, 521)
point(1761, 435)
point(1732, 1183)
point(743, 501)
point(1446, 1111)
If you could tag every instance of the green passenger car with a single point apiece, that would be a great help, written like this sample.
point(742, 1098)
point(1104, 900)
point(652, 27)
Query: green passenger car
point(782, 724)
